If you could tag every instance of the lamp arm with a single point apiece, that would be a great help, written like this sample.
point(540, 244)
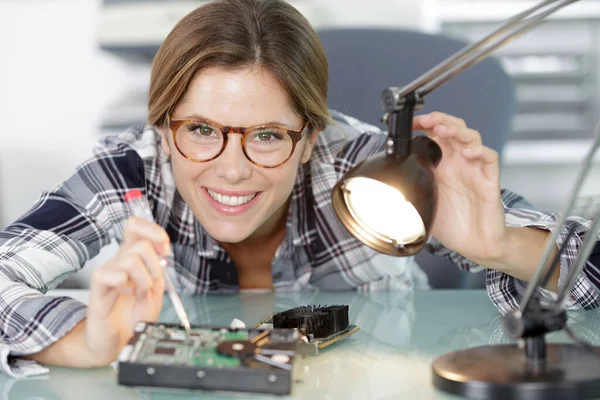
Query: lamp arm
point(512, 32)
point(393, 97)
point(580, 262)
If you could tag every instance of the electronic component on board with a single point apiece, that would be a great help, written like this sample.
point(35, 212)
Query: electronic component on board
point(319, 326)
point(242, 360)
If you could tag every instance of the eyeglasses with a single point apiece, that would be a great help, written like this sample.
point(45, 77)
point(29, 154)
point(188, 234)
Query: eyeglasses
point(202, 140)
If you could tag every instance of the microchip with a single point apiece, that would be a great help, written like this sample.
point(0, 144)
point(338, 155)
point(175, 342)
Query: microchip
point(165, 350)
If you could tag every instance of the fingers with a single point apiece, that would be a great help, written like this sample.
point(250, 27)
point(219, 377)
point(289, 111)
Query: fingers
point(153, 263)
point(466, 136)
point(106, 286)
point(488, 157)
point(106, 279)
point(127, 274)
point(138, 229)
point(461, 146)
point(139, 261)
point(428, 121)
point(439, 125)
point(142, 264)
point(449, 132)
point(137, 273)
point(481, 152)
point(491, 164)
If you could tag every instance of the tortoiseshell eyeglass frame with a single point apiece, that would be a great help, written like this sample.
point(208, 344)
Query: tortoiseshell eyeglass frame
point(175, 124)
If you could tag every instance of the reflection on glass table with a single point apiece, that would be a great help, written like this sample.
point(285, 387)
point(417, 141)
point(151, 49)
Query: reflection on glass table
point(388, 358)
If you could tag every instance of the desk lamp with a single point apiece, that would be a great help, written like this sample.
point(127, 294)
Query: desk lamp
point(402, 177)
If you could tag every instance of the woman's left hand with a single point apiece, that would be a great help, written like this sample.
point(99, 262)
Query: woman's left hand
point(470, 216)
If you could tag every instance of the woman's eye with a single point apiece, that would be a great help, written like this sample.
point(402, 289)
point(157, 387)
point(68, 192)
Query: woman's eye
point(264, 136)
point(267, 136)
point(204, 130)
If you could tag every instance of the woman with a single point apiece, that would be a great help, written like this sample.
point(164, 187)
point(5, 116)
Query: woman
point(238, 161)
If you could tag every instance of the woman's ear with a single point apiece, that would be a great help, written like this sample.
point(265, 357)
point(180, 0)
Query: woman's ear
point(309, 147)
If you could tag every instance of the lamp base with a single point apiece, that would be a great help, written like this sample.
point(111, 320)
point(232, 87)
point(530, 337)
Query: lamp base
point(504, 372)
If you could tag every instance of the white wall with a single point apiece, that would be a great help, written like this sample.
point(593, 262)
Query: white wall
point(418, 14)
point(54, 83)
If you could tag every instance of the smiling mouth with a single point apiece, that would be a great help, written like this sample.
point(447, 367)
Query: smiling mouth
point(231, 201)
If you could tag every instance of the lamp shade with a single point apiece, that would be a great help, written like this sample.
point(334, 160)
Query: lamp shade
point(389, 202)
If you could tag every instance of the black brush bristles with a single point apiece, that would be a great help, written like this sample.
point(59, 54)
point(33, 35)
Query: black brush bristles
point(319, 321)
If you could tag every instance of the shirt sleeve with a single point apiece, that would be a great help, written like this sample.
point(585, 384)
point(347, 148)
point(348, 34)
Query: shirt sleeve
point(506, 291)
point(65, 228)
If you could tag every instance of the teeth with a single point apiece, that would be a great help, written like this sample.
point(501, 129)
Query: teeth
point(231, 201)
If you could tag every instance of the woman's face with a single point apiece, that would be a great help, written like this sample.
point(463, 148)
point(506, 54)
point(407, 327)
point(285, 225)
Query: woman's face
point(238, 98)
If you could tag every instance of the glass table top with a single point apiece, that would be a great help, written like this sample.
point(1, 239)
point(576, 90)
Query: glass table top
point(390, 357)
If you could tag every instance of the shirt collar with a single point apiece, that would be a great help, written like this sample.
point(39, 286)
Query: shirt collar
point(301, 219)
point(161, 185)
point(207, 246)
point(189, 231)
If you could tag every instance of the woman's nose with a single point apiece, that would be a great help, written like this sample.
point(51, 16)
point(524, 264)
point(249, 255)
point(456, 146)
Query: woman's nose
point(232, 165)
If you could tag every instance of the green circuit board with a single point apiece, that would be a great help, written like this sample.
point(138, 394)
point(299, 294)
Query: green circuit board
point(167, 345)
point(212, 358)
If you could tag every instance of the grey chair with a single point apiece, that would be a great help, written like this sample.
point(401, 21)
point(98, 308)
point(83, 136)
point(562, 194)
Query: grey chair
point(363, 62)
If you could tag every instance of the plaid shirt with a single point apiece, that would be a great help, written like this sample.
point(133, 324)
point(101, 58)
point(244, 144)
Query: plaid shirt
point(69, 225)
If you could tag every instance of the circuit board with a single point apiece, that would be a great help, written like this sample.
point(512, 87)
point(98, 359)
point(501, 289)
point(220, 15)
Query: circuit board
point(212, 358)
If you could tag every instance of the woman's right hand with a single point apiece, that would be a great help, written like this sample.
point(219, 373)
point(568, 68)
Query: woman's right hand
point(126, 289)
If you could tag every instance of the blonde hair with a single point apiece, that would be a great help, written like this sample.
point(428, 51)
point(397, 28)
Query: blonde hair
point(270, 34)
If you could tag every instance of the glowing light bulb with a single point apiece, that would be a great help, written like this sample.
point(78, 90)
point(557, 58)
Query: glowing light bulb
point(396, 221)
